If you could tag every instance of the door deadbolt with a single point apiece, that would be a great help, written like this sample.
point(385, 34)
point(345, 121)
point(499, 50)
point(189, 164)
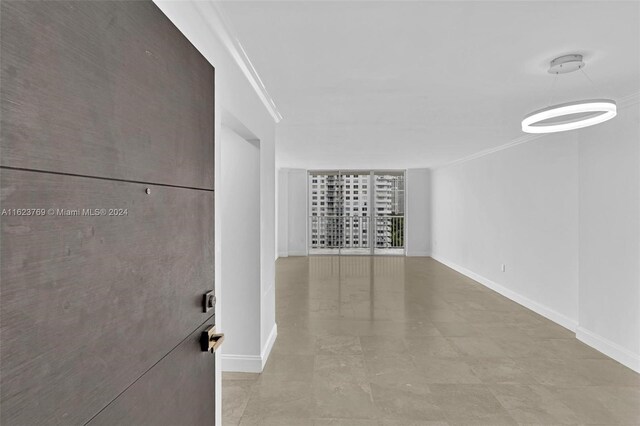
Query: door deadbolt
point(208, 301)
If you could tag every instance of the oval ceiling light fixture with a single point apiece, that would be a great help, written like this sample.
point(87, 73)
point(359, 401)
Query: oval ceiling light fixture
point(570, 115)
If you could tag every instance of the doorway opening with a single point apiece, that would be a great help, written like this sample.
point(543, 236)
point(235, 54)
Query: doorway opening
point(356, 212)
point(240, 242)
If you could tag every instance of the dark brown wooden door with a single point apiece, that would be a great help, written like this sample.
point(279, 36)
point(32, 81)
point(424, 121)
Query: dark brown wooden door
point(106, 173)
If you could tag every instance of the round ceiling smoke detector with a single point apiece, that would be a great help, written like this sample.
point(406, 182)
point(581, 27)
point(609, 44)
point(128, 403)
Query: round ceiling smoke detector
point(569, 115)
point(565, 64)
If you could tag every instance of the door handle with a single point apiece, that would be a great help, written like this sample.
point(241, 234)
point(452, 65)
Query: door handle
point(210, 340)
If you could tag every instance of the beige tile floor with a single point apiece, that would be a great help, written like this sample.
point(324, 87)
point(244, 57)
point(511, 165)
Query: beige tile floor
point(407, 341)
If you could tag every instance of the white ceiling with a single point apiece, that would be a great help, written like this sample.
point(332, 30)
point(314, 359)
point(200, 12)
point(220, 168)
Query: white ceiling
point(419, 84)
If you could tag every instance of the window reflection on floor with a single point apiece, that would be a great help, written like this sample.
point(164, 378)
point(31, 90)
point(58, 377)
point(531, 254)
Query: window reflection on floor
point(405, 341)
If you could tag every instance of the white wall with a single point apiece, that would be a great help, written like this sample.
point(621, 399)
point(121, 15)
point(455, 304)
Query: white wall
point(517, 207)
point(610, 237)
point(236, 95)
point(283, 213)
point(418, 207)
point(297, 199)
point(239, 209)
point(292, 212)
point(562, 212)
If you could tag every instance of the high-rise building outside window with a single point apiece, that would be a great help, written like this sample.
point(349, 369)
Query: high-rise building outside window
point(345, 222)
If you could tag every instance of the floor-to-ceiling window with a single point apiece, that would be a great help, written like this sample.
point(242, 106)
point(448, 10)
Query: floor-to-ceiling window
point(356, 212)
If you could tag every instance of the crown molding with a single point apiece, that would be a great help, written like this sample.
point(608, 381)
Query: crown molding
point(622, 102)
point(221, 26)
point(517, 141)
point(629, 100)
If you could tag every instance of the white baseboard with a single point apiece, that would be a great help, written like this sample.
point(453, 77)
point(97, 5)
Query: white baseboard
point(283, 254)
point(418, 253)
point(250, 363)
point(241, 363)
point(536, 307)
point(298, 253)
point(268, 345)
point(609, 348)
